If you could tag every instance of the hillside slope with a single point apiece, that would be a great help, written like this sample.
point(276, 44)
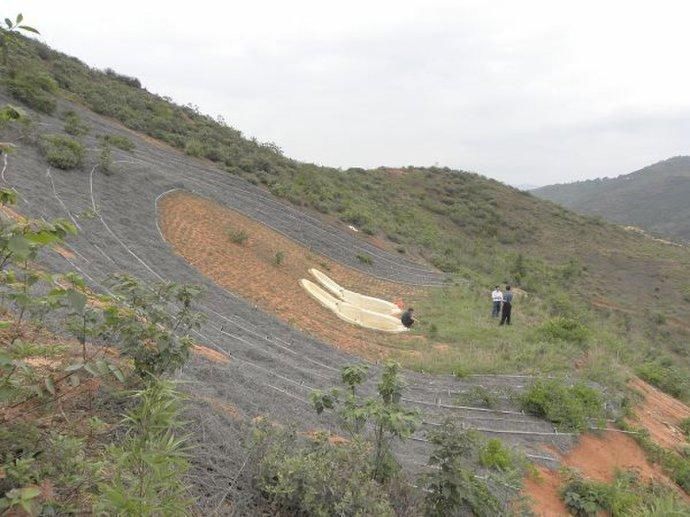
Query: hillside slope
point(595, 302)
point(654, 198)
point(462, 223)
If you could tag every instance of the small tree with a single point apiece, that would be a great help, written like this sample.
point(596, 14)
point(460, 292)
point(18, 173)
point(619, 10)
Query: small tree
point(149, 465)
point(388, 418)
point(105, 158)
point(151, 324)
point(8, 31)
point(452, 488)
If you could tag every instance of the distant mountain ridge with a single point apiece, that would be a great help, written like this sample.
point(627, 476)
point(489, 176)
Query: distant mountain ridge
point(655, 198)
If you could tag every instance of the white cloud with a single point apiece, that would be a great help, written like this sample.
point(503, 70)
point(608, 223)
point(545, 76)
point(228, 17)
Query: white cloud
point(527, 92)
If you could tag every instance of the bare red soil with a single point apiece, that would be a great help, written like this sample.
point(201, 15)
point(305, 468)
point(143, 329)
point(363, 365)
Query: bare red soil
point(599, 456)
point(660, 414)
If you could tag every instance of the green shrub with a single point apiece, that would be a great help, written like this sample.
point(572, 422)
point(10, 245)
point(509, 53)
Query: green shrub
point(561, 328)
point(62, 151)
point(237, 236)
point(495, 455)
point(278, 258)
point(315, 477)
point(625, 496)
point(35, 89)
point(477, 396)
point(74, 125)
point(105, 158)
point(194, 148)
point(452, 488)
point(570, 408)
point(365, 259)
point(146, 471)
point(121, 142)
point(9, 113)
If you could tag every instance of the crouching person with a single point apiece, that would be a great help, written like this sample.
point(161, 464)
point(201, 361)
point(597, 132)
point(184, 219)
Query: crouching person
point(406, 318)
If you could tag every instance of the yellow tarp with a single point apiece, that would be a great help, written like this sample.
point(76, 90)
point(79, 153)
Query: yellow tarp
point(353, 313)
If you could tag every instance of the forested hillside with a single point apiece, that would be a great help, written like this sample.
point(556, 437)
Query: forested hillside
point(654, 198)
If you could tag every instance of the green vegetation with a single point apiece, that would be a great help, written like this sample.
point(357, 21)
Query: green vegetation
point(477, 396)
point(667, 376)
point(237, 236)
point(626, 495)
point(316, 477)
point(34, 88)
point(149, 464)
point(563, 329)
point(453, 489)
point(105, 157)
point(325, 474)
point(89, 459)
point(9, 113)
point(685, 427)
point(389, 419)
point(570, 408)
point(676, 466)
point(74, 125)
point(121, 142)
point(494, 455)
point(586, 304)
point(62, 151)
point(652, 198)
point(365, 259)
point(278, 258)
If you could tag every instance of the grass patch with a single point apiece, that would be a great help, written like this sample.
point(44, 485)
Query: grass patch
point(666, 376)
point(562, 328)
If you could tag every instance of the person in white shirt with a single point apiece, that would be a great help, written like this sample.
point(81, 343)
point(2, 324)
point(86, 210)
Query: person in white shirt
point(496, 298)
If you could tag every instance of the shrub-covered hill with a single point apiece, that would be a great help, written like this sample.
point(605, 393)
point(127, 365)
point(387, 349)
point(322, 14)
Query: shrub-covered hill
point(654, 198)
point(578, 267)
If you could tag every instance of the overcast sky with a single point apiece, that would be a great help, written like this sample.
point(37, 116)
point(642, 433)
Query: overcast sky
point(530, 92)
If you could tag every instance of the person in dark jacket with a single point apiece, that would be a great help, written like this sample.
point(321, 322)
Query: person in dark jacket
point(507, 306)
point(407, 318)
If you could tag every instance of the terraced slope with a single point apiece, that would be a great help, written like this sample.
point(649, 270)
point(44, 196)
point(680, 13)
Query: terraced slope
point(271, 367)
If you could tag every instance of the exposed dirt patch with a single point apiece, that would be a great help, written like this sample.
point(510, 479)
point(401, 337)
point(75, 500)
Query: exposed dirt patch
point(595, 457)
point(598, 457)
point(223, 407)
point(660, 414)
point(210, 354)
point(202, 232)
point(542, 490)
point(333, 439)
point(64, 252)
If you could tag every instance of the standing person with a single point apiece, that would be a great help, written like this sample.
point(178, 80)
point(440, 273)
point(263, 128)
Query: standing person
point(507, 306)
point(406, 318)
point(496, 298)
